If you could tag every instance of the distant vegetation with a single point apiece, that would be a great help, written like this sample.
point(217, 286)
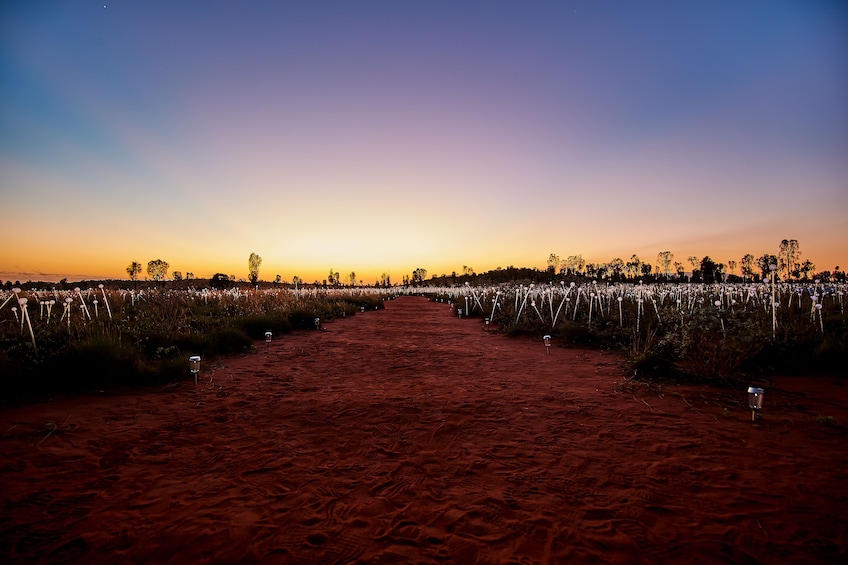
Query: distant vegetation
point(71, 340)
point(708, 325)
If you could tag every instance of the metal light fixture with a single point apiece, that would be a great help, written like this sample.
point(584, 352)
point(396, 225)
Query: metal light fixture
point(268, 337)
point(194, 365)
point(755, 401)
point(547, 339)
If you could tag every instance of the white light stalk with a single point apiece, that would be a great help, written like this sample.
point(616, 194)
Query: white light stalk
point(106, 300)
point(25, 314)
point(84, 306)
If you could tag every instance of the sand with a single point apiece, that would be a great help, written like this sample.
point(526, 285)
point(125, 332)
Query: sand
point(406, 435)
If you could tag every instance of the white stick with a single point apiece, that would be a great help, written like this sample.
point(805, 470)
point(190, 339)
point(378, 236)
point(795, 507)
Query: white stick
point(106, 300)
point(31, 333)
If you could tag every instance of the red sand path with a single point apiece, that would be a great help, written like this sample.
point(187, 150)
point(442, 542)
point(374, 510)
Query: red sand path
point(407, 435)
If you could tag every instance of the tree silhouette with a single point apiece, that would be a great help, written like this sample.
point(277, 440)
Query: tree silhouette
point(553, 263)
point(633, 267)
point(616, 267)
point(253, 264)
point(764, 262)
point(333, 277)
point(664, 258)
point(157, 269)
point(694, 261)
point(747, 266)
point(574, 264)
point(789, 258)
point(806, 268)
point(134, 270)
point(708, 269)
point(418, 275)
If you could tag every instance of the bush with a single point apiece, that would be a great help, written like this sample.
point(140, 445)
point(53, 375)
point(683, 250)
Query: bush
point(220, 281)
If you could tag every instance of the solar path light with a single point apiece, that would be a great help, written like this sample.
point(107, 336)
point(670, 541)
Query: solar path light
point(547, 340)
point(755, 401)
point(194, 365)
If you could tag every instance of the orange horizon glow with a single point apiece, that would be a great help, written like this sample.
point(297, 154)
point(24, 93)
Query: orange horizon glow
point(318, 271)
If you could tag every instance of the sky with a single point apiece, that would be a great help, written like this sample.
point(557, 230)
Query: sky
point(376, 137)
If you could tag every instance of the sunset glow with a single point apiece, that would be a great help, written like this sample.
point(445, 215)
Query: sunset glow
point(384, 136)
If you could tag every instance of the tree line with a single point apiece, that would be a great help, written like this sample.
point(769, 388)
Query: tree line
point(787, 264)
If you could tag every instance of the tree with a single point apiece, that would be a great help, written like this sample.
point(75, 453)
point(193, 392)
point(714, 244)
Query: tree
point(694, 261)
point(664, 258)
point(633, 267)
point(747, 266)
point(553, 263)
point(352, 277)
point(720, 270)
point(253, 264)
point(678, 267)
point(157, 269)
point(708, 269)
point(296, 280)
point(574, 264)
point(134, 270)
point(278, 279)
point(807, 268)
point(333, 278)
point(178, 275)
point(788, 258)
point(601, 271)
point(732, 266)
point(616, 267)
point(386, 279)
point(189, 276)
point(765, 262)
point(418, 275)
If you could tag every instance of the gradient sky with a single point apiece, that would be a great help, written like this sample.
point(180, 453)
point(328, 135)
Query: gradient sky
point(381, 136)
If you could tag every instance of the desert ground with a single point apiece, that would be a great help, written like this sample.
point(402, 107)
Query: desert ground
point(407, 435)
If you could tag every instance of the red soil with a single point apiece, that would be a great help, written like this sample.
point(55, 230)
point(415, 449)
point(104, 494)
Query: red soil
point(407, 435)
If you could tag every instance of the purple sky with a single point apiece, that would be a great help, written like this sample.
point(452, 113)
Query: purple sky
point(383, 136)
